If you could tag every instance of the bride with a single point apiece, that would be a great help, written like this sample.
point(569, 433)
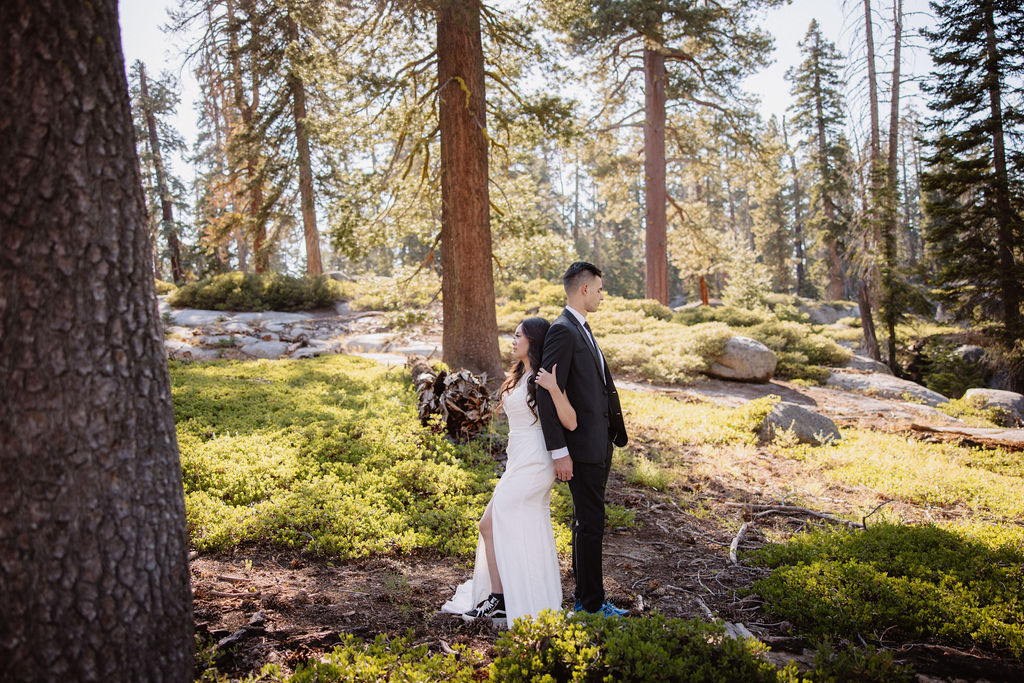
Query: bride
point(516, 572)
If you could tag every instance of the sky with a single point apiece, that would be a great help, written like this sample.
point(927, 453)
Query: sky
point(840, 22)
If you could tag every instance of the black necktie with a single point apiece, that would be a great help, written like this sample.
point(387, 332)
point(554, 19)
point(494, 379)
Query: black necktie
point(597, 352)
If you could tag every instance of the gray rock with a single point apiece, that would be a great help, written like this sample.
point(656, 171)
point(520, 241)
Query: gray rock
point(195, 317)
point(867, 364)
point(179, 331)
point(823, 313)
point(180, 350)
point(970, 353)
point(265, 349)
point(1010, 402)
point(744, 359)
point(807, 425)
point(884, 386)
point(380, 341)
point(218, 340)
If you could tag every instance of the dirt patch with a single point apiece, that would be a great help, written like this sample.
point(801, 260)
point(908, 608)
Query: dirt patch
point(272, 607)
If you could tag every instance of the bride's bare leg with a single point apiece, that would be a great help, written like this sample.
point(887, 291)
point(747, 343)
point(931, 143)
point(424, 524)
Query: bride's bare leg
point(492, 562)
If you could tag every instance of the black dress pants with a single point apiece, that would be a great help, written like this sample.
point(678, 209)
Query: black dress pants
point(587, 487)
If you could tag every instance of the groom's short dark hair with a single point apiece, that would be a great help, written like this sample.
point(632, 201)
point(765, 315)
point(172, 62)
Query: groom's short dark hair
point(577, 272)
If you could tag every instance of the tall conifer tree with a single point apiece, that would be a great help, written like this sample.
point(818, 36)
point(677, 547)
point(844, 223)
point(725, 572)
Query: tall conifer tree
point(972, 186)
point(818, 116)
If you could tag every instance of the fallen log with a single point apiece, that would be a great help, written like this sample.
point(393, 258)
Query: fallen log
point(990, 437)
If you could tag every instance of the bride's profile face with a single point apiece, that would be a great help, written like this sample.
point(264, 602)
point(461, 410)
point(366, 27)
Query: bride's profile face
point(520, 344)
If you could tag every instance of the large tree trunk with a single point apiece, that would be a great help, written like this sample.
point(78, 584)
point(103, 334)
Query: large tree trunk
point(798, 219)
point(1009, 285)
point(312, 235)
point(166, 205)
point(871, 276)
point(655, 194)
point(891, 195)
point(836, 288)
point(254, 223)
point(470, 337)
point(94, 576)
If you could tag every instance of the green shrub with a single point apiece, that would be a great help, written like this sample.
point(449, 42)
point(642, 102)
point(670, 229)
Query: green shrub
point(975, 412)
point(403, 292)
point(323, 454)
point(583, 647)
point(730, 315)
point(944, 585)
point(164, 287)
point(852, 664)
point(395, 659)
point(948, 373)
point(647, 474)
point(252, 292)
point(791, 312)
point(668, 423)
point(801, 353)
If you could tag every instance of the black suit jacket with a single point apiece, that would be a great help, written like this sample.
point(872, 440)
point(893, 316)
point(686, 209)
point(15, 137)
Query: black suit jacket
point(598, 413)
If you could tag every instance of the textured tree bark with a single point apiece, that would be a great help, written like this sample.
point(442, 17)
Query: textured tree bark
point(870, 280)
point(835, 259)
point(312, 235)
point(166, 205)
point(798, 219)
point(891, 197)
point(470, 338)
point(94, 576)
point(655, 193)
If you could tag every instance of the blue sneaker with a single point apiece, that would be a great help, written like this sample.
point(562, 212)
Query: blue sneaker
point(610, 610)
point(607, 609)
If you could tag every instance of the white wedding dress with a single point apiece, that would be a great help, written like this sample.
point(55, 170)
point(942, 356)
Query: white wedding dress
point(524, 544)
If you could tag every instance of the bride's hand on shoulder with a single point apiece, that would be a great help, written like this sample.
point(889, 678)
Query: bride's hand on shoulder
point(547, 379)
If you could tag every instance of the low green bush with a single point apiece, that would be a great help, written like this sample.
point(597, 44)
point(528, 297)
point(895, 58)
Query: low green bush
point(395, 659)
point(975, 412)
point(946, 372)
point(325, 455)
point(253, 292)
point(164, 287)
point(582, 647)
point(869, 665)
point(405, 291)
point(945, 585)
point(669, 423)
point(801, 352)
point(731, 316)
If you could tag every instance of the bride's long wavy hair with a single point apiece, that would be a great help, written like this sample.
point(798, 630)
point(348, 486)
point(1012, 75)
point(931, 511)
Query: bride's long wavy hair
point(534, 330)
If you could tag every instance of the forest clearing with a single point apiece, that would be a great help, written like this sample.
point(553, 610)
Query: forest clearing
point(281, 577)
point(268, 268)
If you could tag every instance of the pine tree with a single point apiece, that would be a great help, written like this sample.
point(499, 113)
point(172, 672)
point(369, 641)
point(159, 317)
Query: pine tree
point(691, 53)
point(251, 60)
point(94, 575)
point(818, 115)
point(154, 101)
point(773, 235)
point(973, 181)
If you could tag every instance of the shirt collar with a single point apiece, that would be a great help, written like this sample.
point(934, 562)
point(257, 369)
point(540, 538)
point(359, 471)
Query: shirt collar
point(579, 316)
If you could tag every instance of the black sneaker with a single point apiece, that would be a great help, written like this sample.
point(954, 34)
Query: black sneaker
point(492, 607)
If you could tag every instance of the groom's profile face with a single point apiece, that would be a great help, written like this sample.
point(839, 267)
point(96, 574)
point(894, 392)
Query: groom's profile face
point(593, 294)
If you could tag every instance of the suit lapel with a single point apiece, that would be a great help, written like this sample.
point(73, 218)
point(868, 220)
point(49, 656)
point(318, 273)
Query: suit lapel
point(590, 345)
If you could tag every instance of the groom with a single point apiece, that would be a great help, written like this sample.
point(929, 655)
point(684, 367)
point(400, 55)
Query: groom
point(583, 457)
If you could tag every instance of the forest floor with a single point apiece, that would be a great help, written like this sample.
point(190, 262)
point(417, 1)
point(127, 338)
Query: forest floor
point(256, 606)
point(265, 607)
